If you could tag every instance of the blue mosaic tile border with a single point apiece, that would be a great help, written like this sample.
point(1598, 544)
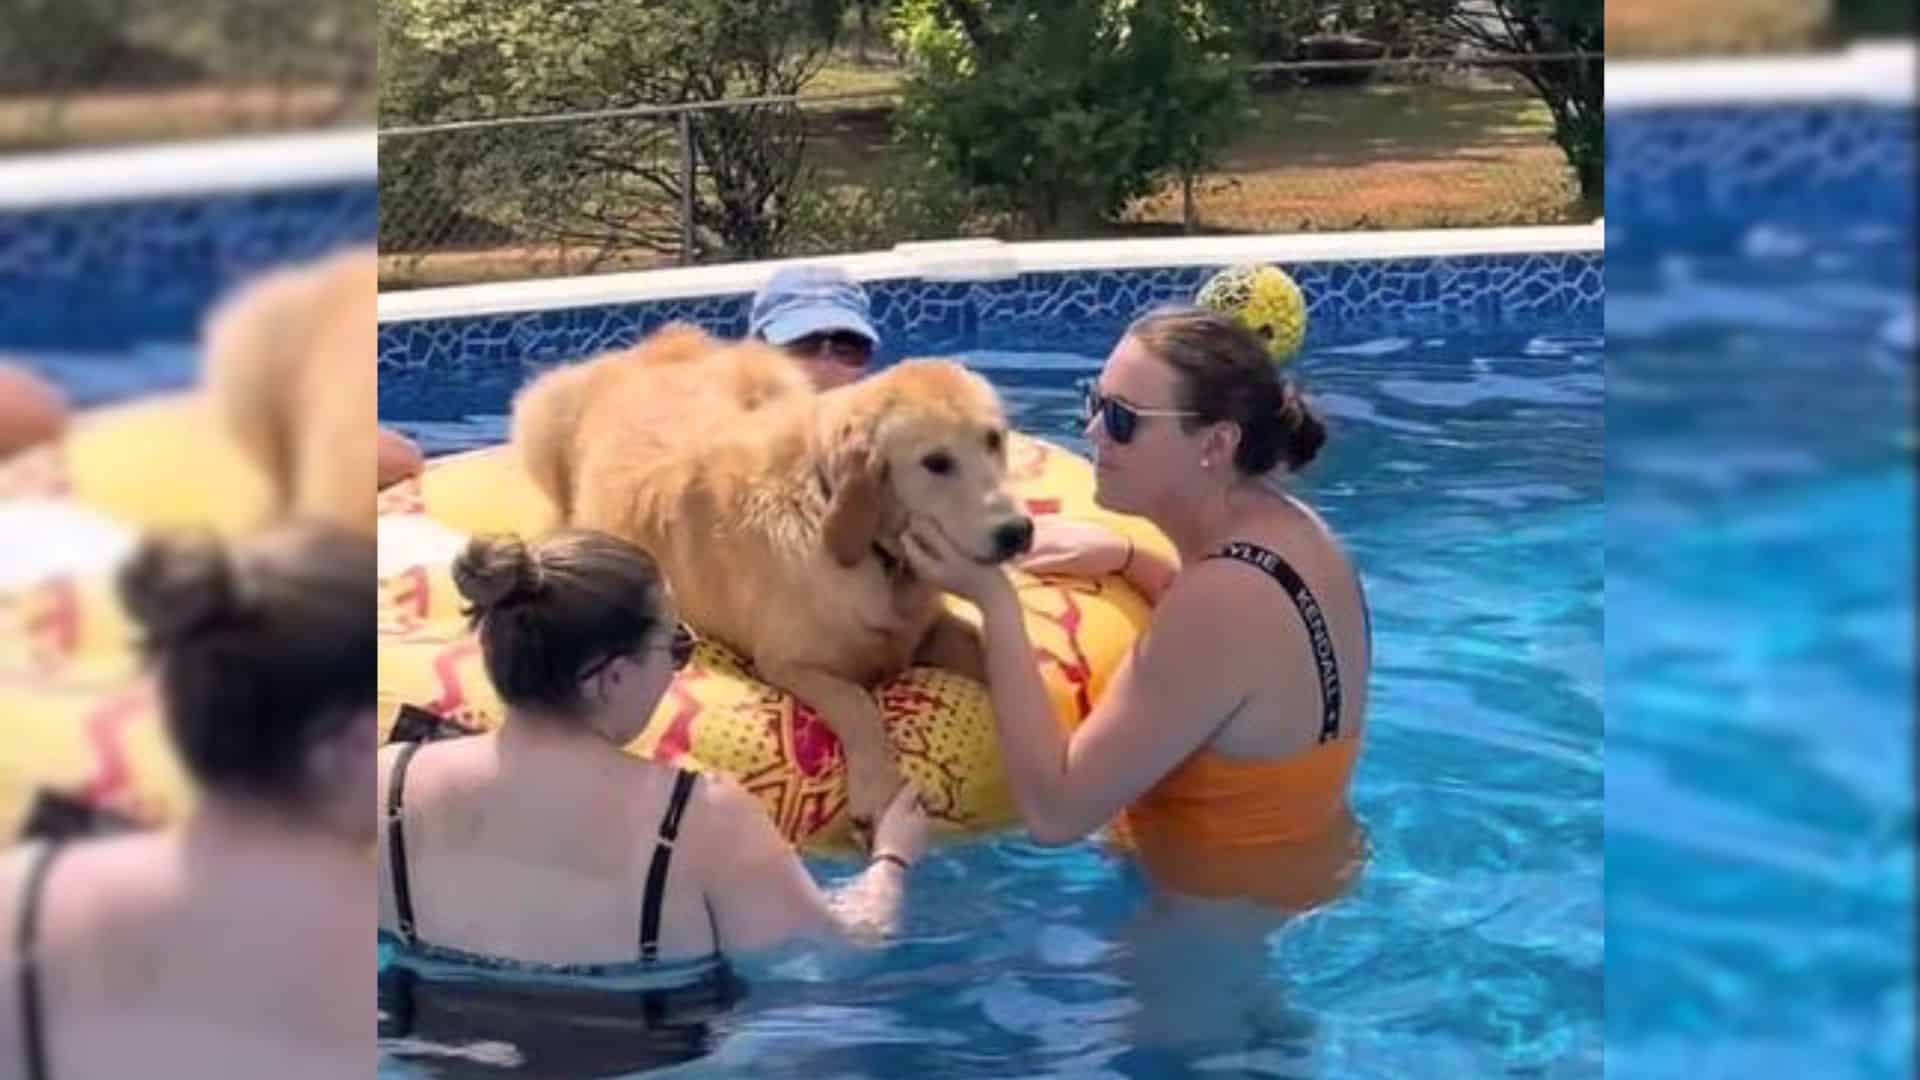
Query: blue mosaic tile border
point(476, 360)
point(1702, 178)
point(118, 275)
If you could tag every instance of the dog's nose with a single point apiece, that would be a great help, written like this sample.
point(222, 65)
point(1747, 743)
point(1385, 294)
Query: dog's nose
point(1014, 537)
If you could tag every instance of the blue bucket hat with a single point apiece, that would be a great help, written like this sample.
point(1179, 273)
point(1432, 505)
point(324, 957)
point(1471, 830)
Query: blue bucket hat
point(802, 300)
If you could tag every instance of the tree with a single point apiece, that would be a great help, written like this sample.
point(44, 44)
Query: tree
point(1571, 89)
point(620, 182)
point(1284, 29)
point(1063, 112)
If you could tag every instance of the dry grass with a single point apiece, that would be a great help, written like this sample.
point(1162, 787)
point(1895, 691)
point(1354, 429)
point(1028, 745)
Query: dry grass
point(1682, 27)
point(843, 75)
point(419, 271)
point(1385, 157)
point(106, 118)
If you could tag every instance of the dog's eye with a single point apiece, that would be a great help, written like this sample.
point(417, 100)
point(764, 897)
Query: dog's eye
point(994, 441)
point(939, 463)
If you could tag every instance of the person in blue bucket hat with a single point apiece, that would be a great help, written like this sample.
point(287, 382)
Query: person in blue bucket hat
point(820, 316)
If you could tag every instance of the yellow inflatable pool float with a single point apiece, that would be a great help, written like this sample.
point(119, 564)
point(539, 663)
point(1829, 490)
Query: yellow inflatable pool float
point(84, 729)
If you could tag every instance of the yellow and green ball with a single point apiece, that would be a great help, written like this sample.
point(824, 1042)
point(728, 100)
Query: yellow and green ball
point(1265, 300)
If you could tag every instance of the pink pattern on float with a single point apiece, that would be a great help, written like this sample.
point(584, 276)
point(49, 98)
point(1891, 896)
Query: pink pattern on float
point(678, 738)
point(1078, 670)
point(57, 628)
point(446, 668)
point(816, 749)
point(413, 597)
point(106, 733)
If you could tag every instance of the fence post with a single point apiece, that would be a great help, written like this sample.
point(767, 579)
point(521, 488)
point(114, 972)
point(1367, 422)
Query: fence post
point(686, 187)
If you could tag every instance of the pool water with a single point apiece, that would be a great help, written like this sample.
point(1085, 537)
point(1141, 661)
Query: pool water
point(1759, 657)
point(107, 377)
point(1466, 476)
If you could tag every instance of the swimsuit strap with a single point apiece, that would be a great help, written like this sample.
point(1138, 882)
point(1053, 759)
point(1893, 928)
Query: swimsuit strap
point(397, 844)
point(1318, 635)
point(28, 928)
point(656, 893)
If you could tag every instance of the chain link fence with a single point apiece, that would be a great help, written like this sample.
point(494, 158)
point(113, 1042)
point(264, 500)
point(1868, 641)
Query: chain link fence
point(105, 72)
point(1326, 146)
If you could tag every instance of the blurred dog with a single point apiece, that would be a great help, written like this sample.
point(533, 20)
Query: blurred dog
point(289, 367)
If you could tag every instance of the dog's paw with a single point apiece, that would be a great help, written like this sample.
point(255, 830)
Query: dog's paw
point(852, 463)
point(872, 782)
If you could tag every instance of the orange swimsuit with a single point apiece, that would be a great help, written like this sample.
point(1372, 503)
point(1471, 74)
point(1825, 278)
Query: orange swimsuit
point(1276, 831)
point(1279, 832)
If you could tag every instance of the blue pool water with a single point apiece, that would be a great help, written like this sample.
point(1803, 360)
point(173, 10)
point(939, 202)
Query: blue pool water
point(90, 379)
point(1759, 654)
point(1466, 475)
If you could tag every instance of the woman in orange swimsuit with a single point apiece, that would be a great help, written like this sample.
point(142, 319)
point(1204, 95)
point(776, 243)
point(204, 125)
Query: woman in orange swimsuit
point(1224, 748)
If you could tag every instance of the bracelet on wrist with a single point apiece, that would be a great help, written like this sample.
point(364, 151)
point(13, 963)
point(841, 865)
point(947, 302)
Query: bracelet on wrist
point(1122, 572)
point(888, 856)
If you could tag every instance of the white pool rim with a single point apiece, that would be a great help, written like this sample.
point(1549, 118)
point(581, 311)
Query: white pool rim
point(987, 260)
point(206, 167)
point(1876, 72)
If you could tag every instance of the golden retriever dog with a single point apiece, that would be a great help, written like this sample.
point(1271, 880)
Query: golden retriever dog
point(776, 512)
point(289, 364)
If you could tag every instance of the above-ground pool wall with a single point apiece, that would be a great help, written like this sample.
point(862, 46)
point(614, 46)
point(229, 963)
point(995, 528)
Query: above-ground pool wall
point(1699, 154)
point(110, 249)
point(1707, 175)
point(1348, 300)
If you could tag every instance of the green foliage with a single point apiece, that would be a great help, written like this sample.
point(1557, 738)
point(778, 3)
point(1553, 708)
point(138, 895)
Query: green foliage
point(617, 181)
point(59, 46)
point(1573, 90)
point(1274, 29)
point(52, 45)
point(1061, 113)
point(907, 199)
point(1872, 18)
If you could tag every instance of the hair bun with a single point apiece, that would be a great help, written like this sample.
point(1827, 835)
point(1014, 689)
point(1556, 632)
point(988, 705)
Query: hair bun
point(1289, 409)
point(496, 570)
point(175, 587)
point(1305, 432)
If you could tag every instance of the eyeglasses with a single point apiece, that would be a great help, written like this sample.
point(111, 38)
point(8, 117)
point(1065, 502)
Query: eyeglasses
point(1119, 418)
point(680, 648)
point(843, 347)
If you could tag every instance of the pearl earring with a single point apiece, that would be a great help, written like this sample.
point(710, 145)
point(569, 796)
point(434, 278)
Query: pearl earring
point(1206, 463)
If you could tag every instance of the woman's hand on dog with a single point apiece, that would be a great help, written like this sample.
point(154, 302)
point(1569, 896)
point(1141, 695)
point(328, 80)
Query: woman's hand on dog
point(1062, 545)
point(937, 560)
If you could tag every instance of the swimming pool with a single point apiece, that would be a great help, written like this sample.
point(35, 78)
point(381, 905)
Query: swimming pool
point(109, 260)
point(1759, 546)
point(1465, 472)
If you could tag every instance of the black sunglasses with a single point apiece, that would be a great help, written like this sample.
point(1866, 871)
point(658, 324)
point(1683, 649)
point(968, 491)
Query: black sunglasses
point(680, 646)
point(680, 649)
point(845, 346)
point(1119, 418)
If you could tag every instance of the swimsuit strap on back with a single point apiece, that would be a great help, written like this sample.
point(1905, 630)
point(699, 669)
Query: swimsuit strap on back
point(1317, 633)
point(397, 844)
point(33, 1039)
point(656, 893)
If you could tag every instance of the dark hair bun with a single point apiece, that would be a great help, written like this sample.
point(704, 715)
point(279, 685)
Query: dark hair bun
point(175, 587)
point(1303, 432)
point(496, 570)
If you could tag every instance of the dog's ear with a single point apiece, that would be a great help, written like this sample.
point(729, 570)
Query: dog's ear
point(861, 503)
